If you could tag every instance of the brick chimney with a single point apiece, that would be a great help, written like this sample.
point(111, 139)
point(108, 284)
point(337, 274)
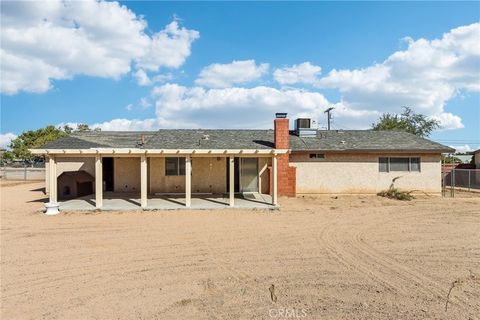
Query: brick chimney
point(286, 178)
point(280, 125)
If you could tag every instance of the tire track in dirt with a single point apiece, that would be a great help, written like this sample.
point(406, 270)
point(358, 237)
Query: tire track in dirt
point(426, 284)
point(351, 262)
point(373, 262)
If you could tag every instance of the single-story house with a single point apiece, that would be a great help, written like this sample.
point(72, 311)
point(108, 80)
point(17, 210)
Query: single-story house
point(278, 162)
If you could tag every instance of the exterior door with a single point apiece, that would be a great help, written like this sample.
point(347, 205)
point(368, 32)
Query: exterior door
point(249, 174)
point(108, 176)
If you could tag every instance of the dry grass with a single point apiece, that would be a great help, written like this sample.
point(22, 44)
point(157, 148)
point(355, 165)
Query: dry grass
point(334, 258)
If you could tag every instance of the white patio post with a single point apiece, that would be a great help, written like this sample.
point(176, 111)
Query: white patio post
point(143, 181)
point(53, 179)
point(274, 180)
point(98, 181)
point(231, 165)
point(188, 181)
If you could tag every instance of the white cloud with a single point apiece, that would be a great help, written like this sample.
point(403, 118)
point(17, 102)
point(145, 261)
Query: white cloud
point(424, 76)
point(462, 148)
point(168, 48)
point(5, 139)
point(129, 107)
point(298, 73)
point(231, 107)
point(448, 120)
point(149, 124)
point(54, 40)
point(117, 125)
point(225, 75)
point(127, 125)
point(142, 78)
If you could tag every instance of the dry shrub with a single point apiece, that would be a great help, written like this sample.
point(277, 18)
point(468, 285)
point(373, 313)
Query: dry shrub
point(394, 193)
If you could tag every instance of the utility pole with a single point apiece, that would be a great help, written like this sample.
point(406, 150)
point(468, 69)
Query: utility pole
point(329, 116)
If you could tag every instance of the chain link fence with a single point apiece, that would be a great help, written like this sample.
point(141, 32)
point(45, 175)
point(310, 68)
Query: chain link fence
point(26, 173)
point(458, 180)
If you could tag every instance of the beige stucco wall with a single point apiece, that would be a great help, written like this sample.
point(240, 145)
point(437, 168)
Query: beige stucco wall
point(70, 164)
point(126, 174)
point(358, 173)
point(208, 175)
point(477, 159)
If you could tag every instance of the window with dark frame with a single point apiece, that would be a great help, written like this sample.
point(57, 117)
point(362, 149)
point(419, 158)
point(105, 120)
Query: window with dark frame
point(320, 156)
point(383, 164)
point(403, 164)
point(175, 166)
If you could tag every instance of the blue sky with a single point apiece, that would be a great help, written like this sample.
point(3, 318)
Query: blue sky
point(147, 65)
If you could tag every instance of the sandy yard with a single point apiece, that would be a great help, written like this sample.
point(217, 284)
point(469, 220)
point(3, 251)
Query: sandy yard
point(351, 257)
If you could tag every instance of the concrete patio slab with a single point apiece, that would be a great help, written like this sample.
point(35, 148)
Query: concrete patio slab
point(131, 202)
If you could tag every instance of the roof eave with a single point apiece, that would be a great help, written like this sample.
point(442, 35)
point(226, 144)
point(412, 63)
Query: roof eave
point(137, 151)
point(447, 150)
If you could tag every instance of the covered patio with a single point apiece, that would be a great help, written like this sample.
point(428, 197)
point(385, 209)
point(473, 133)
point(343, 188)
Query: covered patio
point(126, 202)
point(149, 199)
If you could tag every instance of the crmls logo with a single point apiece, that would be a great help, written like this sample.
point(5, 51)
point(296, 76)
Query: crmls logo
point(287, 313)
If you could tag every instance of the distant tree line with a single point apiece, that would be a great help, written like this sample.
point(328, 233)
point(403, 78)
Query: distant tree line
point(31, 139)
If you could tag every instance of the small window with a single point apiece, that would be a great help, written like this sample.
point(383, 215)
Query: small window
point(415, 164)
point(317, 155)
point(383, 164)
point(399, 164)
point(175, 166)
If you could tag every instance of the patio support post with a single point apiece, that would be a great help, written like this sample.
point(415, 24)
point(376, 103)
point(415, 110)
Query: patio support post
point(98, 181)
point(188, 181)
point(143, 181)
point(274, 180)
point(231, 164)
point(53, 179)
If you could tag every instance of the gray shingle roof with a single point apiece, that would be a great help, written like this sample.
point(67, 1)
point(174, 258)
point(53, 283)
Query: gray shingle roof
point(365, 140)
point(348, 140)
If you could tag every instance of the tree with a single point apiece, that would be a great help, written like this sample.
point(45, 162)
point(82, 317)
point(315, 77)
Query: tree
point(33, 139)
point(83, 127)
point(36, 138)
point(67, 129)
point(408, 121)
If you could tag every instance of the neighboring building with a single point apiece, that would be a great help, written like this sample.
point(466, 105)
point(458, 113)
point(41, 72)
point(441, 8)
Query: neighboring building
point(277, 162)
point(476, 157)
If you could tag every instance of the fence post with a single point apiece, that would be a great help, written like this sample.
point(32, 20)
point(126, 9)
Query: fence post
point(469, 171)
point(453, 184)
point(25, 173)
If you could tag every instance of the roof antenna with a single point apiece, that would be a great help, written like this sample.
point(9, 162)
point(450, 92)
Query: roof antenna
point(329, 116)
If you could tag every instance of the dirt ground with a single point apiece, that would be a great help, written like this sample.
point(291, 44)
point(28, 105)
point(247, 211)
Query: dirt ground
point(350, 257)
